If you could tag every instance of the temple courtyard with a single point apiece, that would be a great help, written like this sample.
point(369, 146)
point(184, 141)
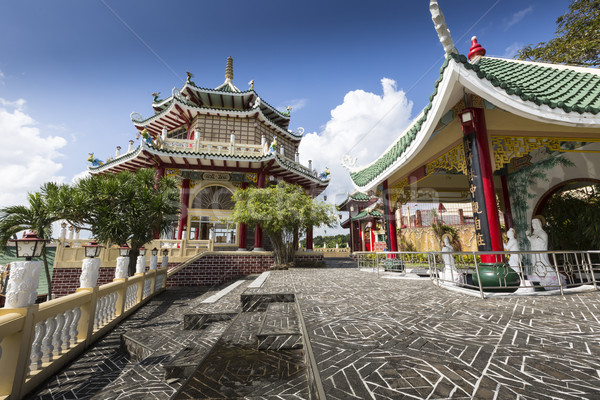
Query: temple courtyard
point(342, 333)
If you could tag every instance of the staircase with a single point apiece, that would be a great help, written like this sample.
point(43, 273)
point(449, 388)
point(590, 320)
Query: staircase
point(248, 343)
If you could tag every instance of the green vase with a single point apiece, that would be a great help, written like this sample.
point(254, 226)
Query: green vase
point(495, 277)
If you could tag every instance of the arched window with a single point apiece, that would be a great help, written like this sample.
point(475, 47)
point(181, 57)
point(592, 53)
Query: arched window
point(214, 198)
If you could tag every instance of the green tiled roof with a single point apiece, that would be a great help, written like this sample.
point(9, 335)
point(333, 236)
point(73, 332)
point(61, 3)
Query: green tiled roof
point(568, 89)
point(357, 196)
point(367, 214)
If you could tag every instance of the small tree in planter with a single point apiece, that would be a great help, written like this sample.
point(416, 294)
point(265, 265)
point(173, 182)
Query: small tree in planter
point(283, 211)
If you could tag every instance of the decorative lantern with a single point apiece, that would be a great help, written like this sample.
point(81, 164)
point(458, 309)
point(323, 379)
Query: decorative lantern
point(466, 119)
point(165, 252)
point(30, 246)
point(154, 251)
point(142, 251)
point(124, 250)
point(92, 249)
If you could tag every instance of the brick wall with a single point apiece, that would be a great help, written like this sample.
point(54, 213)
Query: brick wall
point(212, 269)
point(66, 280)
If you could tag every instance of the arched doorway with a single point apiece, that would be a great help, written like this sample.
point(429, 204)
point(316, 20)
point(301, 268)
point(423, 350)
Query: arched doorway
point(210, 210)
point(572, 214)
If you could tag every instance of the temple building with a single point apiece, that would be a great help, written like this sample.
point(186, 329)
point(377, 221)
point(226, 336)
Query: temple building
point(363, 221)
point(501, 134)
point(215, 141)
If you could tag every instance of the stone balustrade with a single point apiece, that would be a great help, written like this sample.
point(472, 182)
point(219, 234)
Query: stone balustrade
point(38, 340)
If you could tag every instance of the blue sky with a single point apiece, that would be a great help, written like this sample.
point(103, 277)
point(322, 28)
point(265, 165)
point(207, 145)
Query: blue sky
point(355, 72)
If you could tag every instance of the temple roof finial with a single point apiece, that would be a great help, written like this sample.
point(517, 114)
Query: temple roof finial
point(476, 51)
point(439, 22)
point(229, 69)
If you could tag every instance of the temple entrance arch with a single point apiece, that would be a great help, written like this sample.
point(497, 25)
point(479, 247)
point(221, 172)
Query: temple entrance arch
point(571, 212)
point(210, 209)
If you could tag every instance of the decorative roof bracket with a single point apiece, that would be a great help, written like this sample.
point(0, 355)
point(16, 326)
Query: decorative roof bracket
point(439, 22)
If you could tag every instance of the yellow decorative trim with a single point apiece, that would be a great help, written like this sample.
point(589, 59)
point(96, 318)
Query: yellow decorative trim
point(454, 160)
point(252, 177)
point(171, 172)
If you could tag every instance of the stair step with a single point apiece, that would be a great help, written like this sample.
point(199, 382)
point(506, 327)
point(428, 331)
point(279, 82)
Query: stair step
point(185, 363)
point(260, 301)
point(139, 345)
point(201, 321)
point(280, 329)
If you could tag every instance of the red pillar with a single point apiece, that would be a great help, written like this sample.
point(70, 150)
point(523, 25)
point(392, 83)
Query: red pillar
point(479, 168)
point(309, 239)
point(243, 230)
point(258, 234)
point(390, 219)
point(372, 232)
point(185, 199)
point(160, 173)
point(351, 234)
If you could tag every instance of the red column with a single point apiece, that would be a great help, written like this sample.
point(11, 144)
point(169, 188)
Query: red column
point(242, 231)
point(160, 173)
point(481, 181)
point(351, 234)
point(372, 235)
point(361, 236)
point(390, 218)
point(258, 234)
point(309, 239)
point(185, 199)
point(488, 180)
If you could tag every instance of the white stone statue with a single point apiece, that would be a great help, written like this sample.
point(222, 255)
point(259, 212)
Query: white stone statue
point(63, 231)
point(543, 272)
point(122, 267)
point(140, 265)
point(90, 268)
point(439, 22)
point(513, 245)
point(21, 290)
point(450, 273)
point(211, 234)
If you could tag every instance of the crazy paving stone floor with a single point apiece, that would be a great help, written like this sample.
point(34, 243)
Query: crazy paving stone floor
point(373, 338)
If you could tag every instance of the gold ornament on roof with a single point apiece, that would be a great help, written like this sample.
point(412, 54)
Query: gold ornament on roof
point(229, 69)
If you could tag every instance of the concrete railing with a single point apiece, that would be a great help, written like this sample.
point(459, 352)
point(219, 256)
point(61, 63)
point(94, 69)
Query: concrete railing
point(37, 341)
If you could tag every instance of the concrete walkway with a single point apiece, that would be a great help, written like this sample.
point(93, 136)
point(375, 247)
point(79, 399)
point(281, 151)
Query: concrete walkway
point(371, 338)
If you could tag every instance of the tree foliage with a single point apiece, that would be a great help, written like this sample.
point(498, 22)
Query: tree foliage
point(577, 37)
point(120, 208)
point(282, 211)
point(573, 219)
point(37, 216)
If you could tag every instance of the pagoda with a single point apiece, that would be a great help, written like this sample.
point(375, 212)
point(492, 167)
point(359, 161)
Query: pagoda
point(215, 141)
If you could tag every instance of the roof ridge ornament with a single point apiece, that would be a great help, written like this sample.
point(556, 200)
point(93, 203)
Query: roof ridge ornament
point(229, 69)
point(439, 22)
point(476, 51)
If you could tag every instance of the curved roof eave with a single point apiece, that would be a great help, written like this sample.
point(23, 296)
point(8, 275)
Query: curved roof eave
point(437, 108)
point(149, 120)
point(456, 75)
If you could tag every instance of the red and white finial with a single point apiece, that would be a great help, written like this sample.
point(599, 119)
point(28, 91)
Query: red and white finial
point(476, 51)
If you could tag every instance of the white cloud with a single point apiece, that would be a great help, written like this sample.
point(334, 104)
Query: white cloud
point(27, 159)
point(512, 50)
point(79, 176)
point(295, 104)
point(518, 16)
point(363, 126)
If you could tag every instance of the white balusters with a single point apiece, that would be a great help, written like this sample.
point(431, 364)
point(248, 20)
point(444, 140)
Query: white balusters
point(130, 296)
point(36, 347)
point(66, 330)
point(60, 323)
point(74, 322)
point(47, 346)
point(159, 282)
point(147, 287)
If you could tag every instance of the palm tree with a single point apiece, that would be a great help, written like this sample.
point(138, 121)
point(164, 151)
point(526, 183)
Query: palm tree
point(37, 216)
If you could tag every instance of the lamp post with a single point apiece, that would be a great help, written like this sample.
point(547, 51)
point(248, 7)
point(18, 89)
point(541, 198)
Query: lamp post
point(24, 277)
point(122, 262)
point(153, 259)
point(90, 265)
point(165, 259)
point(140, 262)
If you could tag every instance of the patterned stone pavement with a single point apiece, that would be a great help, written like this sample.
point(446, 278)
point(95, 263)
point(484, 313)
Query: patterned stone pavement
point(382, 338)
point(372, 338)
